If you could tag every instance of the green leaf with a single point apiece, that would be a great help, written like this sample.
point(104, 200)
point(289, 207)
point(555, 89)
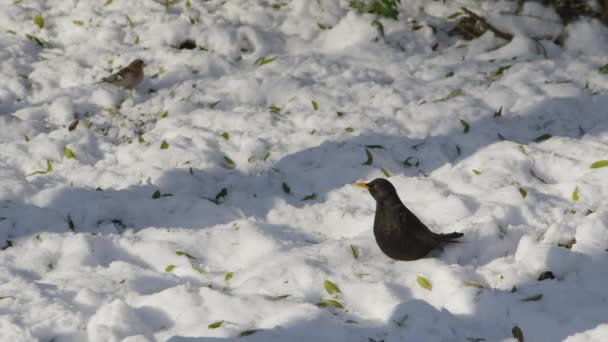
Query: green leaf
point(406, 162)
point(349, 129)
point(223, 193)
point(465, 125)
point(321, 26)
point(248, 332)
point(280, 297)
point(266, 155)
point(49, 168)
point(185, 254)
point(39, 20)
point(312, 132)
point(71, 224)
point(599, 163)
point(309, 197)
point(156, 194)
point(454, 15)
point(477, 172)
point(543, 138)
point(331, 288)
point(375, 146)
point(215, 325)
point(274, 109)
point(164, 145)
point(11, 32)
point(68, 153)
point(129, 21)
point(122, 281)
point(454, 93)
point(340, 114)
point(107, 3)
point(380, 27)
point(517, 333)
point(7, 297)
point(473, 284)
point(604, 69)
point(170, 268)
point(370, 158)
point(330, 302)
point(78, 22)
point(534, 298)
point(197, 269)
point(495, 74)
point(522, 149)
point(27, 139)
point(355, 251)
point(225, 135)
point(161, 71)
point(141, 140)
point(286, 188)
point(514, 289)
point(498, 113)
point(523, 192)
point(315, 106)
point(424, 283)
point(546, 275)
point(264, 60)
point(386, 173)
point(163, 114)
point(136, 41)
point(575, 196)
point(229, 162)
point(228, 276)
point(188, 4)
point(39, 41)
point(449, 74)
point(50, 266)
point(212, 105)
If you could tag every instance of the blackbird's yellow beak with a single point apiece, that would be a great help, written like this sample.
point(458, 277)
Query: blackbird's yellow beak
point(363, 185)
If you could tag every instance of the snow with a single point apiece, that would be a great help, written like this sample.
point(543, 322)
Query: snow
point(133, 242)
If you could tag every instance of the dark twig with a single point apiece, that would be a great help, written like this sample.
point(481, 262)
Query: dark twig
point(484, 23)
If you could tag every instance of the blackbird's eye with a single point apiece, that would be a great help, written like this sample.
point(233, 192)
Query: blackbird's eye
point(375, 187)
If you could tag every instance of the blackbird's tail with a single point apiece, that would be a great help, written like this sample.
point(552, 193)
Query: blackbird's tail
point(450, 237)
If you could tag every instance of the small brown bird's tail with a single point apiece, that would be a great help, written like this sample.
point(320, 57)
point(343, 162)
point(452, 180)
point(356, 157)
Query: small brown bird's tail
point(450, 237)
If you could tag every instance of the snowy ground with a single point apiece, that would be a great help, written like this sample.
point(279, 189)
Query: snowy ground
point(98, 254)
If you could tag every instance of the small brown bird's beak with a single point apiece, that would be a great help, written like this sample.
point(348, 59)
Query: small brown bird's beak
point(363, 185)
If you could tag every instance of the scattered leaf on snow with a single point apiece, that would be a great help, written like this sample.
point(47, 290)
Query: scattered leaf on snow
point(465, 126)
point(331, 288)
point(170, 268)
point(599, 163)
point(330, 302)
point(309, 197)
point(546, 275)
point(473, 284)
point(575, 196)
point(68, 153)
point(189, 256)
point(424, 283)
point(215, 325)
point(355, 251)
point(517, 333)
point(533, 298)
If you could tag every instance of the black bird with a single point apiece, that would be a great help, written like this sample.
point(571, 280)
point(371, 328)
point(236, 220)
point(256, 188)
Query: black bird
point(399, 233)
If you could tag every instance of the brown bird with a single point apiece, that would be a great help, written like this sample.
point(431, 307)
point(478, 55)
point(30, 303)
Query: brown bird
point(399, 233)
point(128, 77)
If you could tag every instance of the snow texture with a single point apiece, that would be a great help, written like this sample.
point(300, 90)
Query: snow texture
point(221, 189)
